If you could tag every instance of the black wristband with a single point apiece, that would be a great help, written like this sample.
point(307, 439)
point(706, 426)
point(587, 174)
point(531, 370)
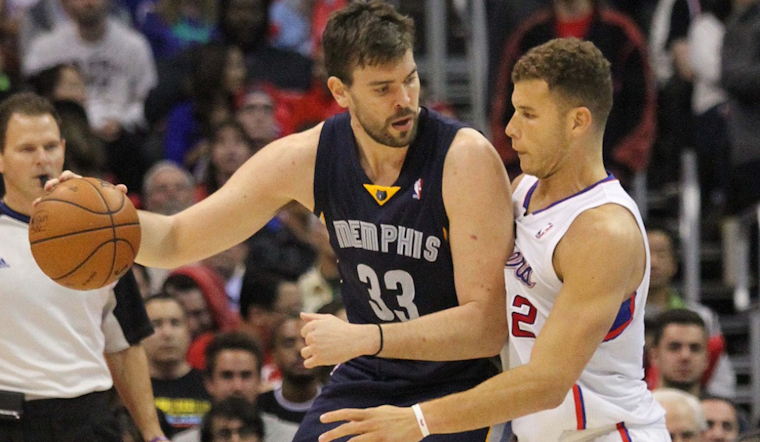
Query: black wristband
point(379, 327)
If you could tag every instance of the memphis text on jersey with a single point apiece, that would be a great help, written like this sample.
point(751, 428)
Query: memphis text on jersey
point(387, 238)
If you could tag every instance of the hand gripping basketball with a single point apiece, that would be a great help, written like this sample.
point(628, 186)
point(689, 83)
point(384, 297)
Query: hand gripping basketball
point(84, 233)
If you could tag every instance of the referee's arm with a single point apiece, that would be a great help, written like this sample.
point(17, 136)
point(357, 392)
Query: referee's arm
point(124, 328)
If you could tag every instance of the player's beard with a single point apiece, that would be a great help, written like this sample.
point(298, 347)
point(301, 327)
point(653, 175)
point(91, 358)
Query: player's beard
point(381, 132)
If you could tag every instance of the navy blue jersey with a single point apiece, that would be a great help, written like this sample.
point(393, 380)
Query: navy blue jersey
point(391, 242)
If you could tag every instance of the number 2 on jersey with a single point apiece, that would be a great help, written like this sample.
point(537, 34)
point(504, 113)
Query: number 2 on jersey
point(394, 280)
point(523, 318)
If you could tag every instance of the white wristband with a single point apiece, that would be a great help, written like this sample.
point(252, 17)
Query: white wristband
point(421, 420)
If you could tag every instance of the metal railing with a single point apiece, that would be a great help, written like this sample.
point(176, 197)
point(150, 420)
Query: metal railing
point(438, 65)
point(688, 225)
point(741, 296)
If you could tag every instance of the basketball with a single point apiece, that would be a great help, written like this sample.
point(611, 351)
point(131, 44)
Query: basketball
point(84, 233)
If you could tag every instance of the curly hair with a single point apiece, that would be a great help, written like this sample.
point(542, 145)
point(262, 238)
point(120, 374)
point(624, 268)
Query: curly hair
point(575, 69)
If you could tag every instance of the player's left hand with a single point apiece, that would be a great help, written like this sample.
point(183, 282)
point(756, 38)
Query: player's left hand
point(381, 424)
point(330, 340)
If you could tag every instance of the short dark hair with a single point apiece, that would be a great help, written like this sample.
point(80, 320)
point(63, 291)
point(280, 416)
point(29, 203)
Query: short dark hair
point(231, 408)
point(261, 288)
point(181, 282)
point(661, 226)
point(365, 33)
point(232, 341)
point(679, 316)
point(45, 81)
point(25, 103)
point(575, 69)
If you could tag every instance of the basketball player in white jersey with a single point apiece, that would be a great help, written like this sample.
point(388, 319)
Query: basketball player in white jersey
point(577, 280)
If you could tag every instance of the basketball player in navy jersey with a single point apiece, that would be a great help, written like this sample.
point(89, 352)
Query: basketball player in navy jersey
point(577, 280)
point(417, 207)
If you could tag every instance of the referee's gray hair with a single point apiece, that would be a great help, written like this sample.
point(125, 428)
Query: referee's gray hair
point(680, 398)
point(159, 167)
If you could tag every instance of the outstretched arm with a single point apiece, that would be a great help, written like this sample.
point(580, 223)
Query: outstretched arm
point(601, 261)
point(476, 195)
point(281, 172)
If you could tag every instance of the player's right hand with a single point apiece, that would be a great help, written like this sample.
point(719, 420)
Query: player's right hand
point(65, 176)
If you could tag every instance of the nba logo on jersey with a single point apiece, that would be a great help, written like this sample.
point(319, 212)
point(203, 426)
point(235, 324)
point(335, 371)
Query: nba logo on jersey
point(544, 230)
point(417, 189)
point(3, 264)
point(381, 195)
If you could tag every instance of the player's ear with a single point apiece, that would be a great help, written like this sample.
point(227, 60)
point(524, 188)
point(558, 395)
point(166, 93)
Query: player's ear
point(581, 120)
point(339, 91)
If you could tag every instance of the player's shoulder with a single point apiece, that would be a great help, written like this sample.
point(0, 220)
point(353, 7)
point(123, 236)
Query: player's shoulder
point(610, 224)
point(470, 146)
point(297, 145)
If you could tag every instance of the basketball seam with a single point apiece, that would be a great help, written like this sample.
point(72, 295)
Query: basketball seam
point(113, 229)
point(95, 229)
point(108, 212)
point(84, 261)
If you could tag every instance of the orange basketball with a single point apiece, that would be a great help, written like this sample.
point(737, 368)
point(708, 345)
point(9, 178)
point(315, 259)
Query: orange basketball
point(84, 233)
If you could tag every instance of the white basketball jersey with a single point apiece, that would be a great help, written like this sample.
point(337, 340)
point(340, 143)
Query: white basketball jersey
point(610, 392)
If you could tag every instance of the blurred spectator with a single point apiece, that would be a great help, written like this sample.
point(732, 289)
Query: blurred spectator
point(299, 24)
point(631, 125)
point(63, 85)
point(265, 300)
point(245, 24)
point(709, 101)
point(316, 105)
point(42, 16)
point(740, 75)
point(641, 11)
point(200, 290)
point(177, 24)
point(679, 351)
point(178, 388)
point(60, 82)
point(284, 245)
point(668, 39)
point(232, 419)
point(320, 285)
point(229, 147)
point(213, 100)
point(229, 265)
point(669, 47)
point(300, 385)
point(85, 152)
point(233, 370)
point(119, 71)
point(257, 116)
point(195, 302)
point(683, 415)
point(722, 420)
point(719, 377)
point(168, 188)
point(9, 80)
